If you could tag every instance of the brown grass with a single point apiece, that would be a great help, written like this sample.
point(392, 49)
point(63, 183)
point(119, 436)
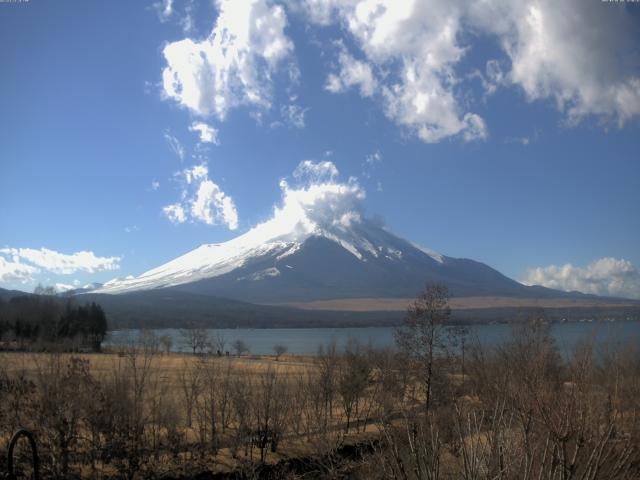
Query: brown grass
point(168, 368)
point(168, 365)
point(456, 303)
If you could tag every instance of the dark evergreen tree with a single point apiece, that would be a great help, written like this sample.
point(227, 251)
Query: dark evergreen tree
point(52, 319)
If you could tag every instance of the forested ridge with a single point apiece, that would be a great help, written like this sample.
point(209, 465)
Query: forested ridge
point(44, 320)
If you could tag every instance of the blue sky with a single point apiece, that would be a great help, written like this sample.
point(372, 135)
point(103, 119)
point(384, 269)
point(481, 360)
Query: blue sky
point(507, 134)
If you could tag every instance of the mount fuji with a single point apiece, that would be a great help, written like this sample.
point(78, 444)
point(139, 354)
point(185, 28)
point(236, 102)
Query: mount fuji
point(318, 261)
point(350, 258)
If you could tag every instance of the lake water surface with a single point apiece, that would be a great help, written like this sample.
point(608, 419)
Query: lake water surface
point(305, 341)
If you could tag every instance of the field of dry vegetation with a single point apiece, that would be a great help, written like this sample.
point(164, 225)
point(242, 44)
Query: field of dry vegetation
point(424, 411)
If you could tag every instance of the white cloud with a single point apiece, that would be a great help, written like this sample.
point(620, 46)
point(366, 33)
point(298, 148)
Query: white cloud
point(211, 205)
point(408, 56)
point(352, 73)
point(16, 272)
point(187, 21)
point(418, 42)
point(315, 172)
point(175, 213)
point(582, 55)
point(202, 200)
point(198, 172)
point(164, 9)
point(315, 200)
point(607, 276)
point(521, 140)
point(56, 262)
point(373, 158)
point(495, 76)
point(323, 202)
point(206, 132)
point(175, 145)
point(63, 287)
point(371, 161)
point(155, 185)
point(234, 65)
point(294, 115)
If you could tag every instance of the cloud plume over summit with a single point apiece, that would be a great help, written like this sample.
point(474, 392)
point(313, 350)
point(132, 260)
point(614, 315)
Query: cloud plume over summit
point(314, 199)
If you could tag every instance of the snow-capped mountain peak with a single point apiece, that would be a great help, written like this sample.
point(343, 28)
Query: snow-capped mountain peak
point(317, 245)
point(271, 240)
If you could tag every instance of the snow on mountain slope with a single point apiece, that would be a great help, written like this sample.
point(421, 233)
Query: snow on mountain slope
point(205, 261)
point(322, 207)
point(318, 244)
point(435, 255)
point(361, 240)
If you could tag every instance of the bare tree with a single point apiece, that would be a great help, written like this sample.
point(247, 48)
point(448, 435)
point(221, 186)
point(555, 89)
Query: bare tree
point(42, 290)
point(219, 343)
point(270, 407)
point(240, 347)
point(353, 379)
point(139, 369)
point(224, 395)
point(328, 361)
point(60, 407)
point(197, 339)
point(422, 334)
point(459, 339)
point(279, 350)
point(148, 341)
point(190, 379)
point(241, 395)
point(208, 404)
point(167, 342)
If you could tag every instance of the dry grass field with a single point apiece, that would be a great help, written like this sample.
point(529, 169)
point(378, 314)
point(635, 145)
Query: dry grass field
point(192, 413)
point(458, 303)
point(517, 411)
point(168, 366)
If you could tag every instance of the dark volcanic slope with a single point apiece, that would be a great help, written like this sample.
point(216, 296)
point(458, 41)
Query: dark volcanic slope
point(360, 259)
point(322, 269)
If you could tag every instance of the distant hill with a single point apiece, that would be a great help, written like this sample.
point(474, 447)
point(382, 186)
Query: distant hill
point(8, 294)
point(176, 309)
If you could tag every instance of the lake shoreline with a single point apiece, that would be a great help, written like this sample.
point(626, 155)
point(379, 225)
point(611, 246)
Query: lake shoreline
point(305, 341)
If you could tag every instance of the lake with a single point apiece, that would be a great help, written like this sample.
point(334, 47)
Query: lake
point(305, 341)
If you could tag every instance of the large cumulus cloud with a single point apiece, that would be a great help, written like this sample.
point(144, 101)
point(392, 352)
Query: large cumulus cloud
point(234, 64)
point(408, 57)
point(580, 54)
point(606, 276)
